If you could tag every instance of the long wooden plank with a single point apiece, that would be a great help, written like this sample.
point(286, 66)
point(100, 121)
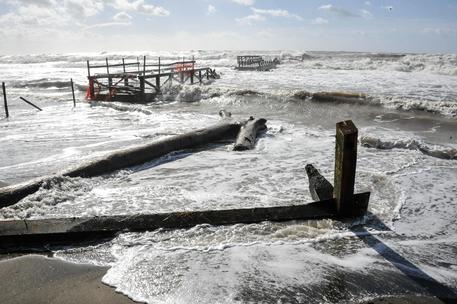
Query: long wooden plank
point(128, 157)
point(47, 230)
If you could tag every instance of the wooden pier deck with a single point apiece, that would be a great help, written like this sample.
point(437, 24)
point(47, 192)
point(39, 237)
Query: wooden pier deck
point(255, 63)
point(138, 82)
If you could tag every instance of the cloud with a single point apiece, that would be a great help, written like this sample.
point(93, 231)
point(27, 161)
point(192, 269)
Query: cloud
point(211, 9)
point(337, 11)
point(341, 12)
point(107, 24)
point(367, 3)
point(319, 20)
point(248, 20)
point(440, 31)
point(275, 13)
point(139, 6)
point(365, 14)
point(122, 17)
point(244, 2)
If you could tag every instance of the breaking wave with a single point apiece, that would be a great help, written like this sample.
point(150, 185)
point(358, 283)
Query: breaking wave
point(44, 83)
point(437, 151)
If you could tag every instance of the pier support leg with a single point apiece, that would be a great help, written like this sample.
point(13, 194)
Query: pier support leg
point(5, 102)
point(142, 88)
point(158, 84)
point(192, 77)
point(200, 76)
point(345, 166)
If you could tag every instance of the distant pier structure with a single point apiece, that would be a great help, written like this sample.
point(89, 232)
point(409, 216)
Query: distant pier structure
point(141, 82)
point(255, 63)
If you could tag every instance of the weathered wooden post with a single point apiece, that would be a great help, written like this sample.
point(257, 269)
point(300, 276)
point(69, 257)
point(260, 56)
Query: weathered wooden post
point(73, 92)
point(345, 166)
point(88, 69)
point(200, 76)
point(144, 65)
point(126, 79)
point(109, 77)
point(5, 102)
point(159, 65)
point(158, 83)
point(142, 87)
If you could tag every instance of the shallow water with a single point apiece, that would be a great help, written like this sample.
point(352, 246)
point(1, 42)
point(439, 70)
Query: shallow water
point(407, 159)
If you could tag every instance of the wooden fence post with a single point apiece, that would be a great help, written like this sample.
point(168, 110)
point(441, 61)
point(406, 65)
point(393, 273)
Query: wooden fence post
point(345, 166)
point(73, 92)
point(5, 102)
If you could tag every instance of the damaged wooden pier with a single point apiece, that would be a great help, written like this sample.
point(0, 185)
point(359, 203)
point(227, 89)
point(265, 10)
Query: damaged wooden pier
point(342, 203)
point(141, 82)
point(255, 63)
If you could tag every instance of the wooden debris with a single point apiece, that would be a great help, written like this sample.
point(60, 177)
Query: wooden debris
point(68, 230)
point(319, 187)
point(248, 133)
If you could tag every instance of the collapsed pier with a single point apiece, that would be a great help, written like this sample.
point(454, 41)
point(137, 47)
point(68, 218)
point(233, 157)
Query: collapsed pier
point(141, 82)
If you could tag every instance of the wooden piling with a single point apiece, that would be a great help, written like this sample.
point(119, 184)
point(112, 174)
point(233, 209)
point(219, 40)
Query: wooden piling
point(73, 92)
point(159, 65)
point(109, 77)
point(126, 79)
point(144, 65)
point(88, 69)
point(345, 167)
point(5, 102)
point(35, 106)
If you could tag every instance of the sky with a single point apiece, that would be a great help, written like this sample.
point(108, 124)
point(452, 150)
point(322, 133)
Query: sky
point(63, 26)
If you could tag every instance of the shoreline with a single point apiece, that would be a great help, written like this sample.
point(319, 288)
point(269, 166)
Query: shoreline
point(40, 279)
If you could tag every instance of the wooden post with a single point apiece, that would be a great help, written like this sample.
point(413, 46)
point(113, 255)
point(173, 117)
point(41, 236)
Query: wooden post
point(73, 92)
point(345, 166)
point(109, 78)
point(142, 87)
point(88, 69)
point(158, 83)
point(207, 73)
point(126, 79)
point(35, 106)
point(159, 65)
point(200, 76)
point(144, 65)
point(5, 102)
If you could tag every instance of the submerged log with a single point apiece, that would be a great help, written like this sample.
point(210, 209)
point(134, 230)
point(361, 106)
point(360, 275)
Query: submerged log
point(338, 97)
point(22, 232)
point(248, 132)
point(126, 158)
point(319, 187)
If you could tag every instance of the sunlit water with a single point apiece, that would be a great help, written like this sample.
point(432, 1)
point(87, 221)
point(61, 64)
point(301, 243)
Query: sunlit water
point(407, 160)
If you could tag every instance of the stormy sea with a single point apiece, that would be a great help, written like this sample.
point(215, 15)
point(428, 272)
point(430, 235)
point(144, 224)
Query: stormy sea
point(404, 106)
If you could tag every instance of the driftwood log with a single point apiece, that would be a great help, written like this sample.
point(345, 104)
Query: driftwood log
point(319, 187)
point(126, 158)
point(248, 133)
point(68, 230)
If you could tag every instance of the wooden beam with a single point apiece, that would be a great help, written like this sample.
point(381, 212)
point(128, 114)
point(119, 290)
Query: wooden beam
point(345, 166)
point(35, 106)
point(47, 231)
point(5, 102)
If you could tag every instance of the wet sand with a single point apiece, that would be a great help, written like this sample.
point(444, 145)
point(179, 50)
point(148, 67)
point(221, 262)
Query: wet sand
point(38, 279)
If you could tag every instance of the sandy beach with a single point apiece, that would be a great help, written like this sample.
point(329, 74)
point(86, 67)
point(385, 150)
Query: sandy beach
point(38, 279)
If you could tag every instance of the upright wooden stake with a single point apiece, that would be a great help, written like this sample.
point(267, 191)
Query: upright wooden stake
point(73, 92)
point(88, 69)
point(144, 65)
point(5, 102)
point(126, 79)
point(109, 78)
point(159, 65)
point(158, 84)
point(345, 166)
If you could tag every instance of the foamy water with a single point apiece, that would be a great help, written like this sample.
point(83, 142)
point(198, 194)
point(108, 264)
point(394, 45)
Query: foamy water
point(407, 159)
